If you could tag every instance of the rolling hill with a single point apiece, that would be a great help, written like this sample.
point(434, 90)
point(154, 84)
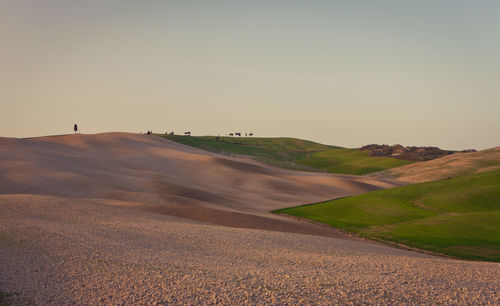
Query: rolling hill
point(292, 153)
point(120, 218)
point(444, 167)
point(155, 174)
point(458, 217)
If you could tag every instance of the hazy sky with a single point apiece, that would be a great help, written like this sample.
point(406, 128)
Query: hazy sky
point(339, 72)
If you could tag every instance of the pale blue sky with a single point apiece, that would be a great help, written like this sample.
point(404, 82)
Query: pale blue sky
point(339, 72)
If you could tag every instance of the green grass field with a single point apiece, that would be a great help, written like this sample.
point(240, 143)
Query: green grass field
point(350, 161)
point(458, 217)
point(293, 153)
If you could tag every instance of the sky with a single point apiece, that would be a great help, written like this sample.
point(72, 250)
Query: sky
point(348, 73)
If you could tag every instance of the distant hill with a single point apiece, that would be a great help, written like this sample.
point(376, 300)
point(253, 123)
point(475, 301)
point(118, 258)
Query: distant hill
point(458, 217)
point(292, 153)
point(409, 153)
point(445, 167)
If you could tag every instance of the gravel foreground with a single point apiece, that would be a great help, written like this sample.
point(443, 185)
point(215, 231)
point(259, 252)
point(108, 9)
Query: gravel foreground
point(64, 251)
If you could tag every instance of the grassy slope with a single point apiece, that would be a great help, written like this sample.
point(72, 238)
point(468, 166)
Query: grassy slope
point(294, 153)
point(459, 217)
point(350, 161)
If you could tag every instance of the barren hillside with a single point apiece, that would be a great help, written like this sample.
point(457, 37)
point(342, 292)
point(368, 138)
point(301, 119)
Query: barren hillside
point(444, 167)
point(160, 175)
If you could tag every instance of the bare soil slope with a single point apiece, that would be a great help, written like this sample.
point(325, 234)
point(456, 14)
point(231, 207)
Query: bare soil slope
point(444, 167)
point(160, 175)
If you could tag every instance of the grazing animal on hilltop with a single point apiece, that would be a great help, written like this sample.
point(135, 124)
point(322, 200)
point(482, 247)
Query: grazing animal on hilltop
point(187, 133)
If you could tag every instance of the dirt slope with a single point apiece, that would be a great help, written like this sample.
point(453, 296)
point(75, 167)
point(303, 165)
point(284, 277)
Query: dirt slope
point(163, 176)
point(444, 167)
